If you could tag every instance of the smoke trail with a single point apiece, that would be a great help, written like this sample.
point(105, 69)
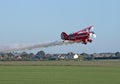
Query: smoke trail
point(18, 47)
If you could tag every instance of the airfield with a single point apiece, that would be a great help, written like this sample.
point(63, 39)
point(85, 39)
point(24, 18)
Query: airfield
point(60, 72)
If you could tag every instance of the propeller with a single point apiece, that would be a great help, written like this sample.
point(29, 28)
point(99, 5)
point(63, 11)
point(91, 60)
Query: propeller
point(94, 35)
point(92, 28)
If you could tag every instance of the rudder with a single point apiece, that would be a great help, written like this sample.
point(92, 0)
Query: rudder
point(64, 36)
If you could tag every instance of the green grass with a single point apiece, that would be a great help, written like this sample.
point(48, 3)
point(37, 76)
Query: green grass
point(83, 74)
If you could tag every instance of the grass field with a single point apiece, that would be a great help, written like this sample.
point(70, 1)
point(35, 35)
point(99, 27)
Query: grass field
point(71, 72)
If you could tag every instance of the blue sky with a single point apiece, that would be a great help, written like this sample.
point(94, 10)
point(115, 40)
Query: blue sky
point(33, 21)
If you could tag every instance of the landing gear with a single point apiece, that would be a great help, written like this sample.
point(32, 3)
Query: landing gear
point(90, 40)
point(84, 42)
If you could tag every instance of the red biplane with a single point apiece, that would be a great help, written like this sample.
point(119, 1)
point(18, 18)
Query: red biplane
point(83, 36)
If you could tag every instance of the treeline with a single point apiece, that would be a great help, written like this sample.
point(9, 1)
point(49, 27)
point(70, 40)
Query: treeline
point(41, 55)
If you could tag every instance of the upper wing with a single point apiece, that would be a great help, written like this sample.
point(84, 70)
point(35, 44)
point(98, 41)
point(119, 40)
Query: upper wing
point(85, 30)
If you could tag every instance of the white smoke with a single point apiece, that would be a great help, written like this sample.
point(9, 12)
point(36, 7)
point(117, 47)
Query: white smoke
point(19, 47)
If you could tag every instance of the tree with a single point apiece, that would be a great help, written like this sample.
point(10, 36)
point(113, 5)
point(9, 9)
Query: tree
point(84, 56)
point(24, 55)
point(70, 53)
point(31, 55)
point(117, 54)
point(10, 56)
point(41, 53)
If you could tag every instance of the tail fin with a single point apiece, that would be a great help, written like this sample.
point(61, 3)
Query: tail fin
point(64, 36)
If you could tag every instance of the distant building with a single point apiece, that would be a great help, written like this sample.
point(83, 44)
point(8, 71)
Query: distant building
point(68, 56)
point(75, 56)
point(104, 56)
point(19, 58)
